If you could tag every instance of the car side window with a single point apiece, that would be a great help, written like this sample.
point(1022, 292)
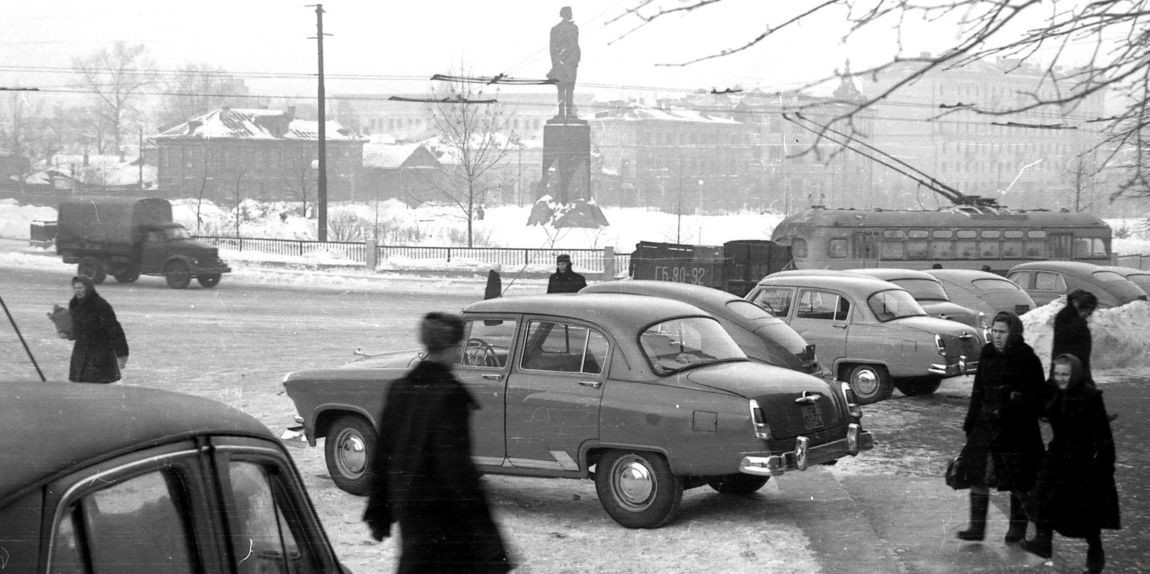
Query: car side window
point(1045, 281)
point(1020, 278)
point(775, 300)
point(261, 535)
point(138, 525)
point(563, 347)
point(488, 343)
point(815, 304)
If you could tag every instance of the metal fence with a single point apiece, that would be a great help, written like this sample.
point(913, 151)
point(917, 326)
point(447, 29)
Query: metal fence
point(582, 260)
point(1136, 261)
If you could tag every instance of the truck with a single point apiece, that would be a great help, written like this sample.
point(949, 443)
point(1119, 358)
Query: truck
point(128, 237)
point(734, 267)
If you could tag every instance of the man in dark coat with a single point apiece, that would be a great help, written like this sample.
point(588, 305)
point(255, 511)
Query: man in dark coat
point(1075, 492)
point(422, 475)
point(1003, 441)
point(1071, 331)
point(564, 280)
point(101, 350)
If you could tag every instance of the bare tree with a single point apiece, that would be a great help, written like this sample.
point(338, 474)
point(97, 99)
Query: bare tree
point(301, 184)
point(1091, 50)
point(117, 79)
point(470, 129)
point(22, 131)
point(198, 88)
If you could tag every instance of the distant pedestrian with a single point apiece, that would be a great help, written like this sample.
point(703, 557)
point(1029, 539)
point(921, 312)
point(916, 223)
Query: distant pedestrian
point(1071, 331)
point(1003, 441)
point(936, 266)
point(422, 475)
point(564, 280)
point(1075, 492)
point(101, 349)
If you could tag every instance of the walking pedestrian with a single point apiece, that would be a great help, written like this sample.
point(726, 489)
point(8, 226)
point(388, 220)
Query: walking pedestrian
point(422, 475)
point(101, 349)
point(1075, 492)
point(564, 279)
point(1003, 441)
point(1072, 332)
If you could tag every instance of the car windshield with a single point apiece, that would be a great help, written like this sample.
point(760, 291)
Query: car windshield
point(678, 344)
point(176, 233)
point(747, 310)
point(922, 289)
point(894, 304)
point(995, 285)
point(1141, 280)
point(1108, 276)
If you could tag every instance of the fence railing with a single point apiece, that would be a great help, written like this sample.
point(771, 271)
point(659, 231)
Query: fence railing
point(1136, 261)
point(582, 260)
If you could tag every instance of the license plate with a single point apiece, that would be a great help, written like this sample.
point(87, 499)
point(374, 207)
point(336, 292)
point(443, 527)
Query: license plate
point(812, 417)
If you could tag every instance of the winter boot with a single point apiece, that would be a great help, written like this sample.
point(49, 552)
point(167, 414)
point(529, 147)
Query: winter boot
point(1018, 520)
point(1042, 545)
point(979, 503)
point(1095, 557)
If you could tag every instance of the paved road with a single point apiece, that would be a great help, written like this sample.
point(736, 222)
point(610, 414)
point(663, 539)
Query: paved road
point(885, 511)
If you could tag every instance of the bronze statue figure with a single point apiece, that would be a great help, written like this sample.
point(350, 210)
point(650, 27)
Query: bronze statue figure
point(565, 62)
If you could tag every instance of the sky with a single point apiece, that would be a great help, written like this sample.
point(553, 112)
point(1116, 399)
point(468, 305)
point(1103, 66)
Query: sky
point(394, 47)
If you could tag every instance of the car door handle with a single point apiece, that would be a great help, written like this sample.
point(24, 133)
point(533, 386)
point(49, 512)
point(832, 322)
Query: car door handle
point(839, 325)
point(493, 377)
point(591, 384)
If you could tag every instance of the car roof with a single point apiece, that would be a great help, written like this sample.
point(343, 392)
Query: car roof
point(695, 294)
point(619, 312)
point(1066, 266)
point(51, 428)
point(887, 273)
point(844, 282)
point(1124, 271)
point(959, 275)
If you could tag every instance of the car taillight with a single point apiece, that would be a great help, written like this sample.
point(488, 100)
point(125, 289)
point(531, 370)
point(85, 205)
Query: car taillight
point(762, 429)
point(940, 344)
point(853, 407)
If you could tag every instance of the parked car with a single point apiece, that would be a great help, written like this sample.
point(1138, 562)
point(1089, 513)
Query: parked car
point(983, 291)
point(1046, 281)
point(931, 295)
point(871, 333)
point(762, 336)
point(114, 478)
point(1139, 277)
point(645, 395)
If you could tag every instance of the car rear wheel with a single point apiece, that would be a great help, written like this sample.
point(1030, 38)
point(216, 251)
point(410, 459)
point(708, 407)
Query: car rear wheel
point(92, 268)
point(128, 274)
point(740, 484)
point(348, 448)
point(210, 280)
point(637, 489)
point(871, 383)
point(915, 386)
point(177, 275)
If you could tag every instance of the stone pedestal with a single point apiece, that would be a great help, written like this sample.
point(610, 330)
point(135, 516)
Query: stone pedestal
point(567, 160)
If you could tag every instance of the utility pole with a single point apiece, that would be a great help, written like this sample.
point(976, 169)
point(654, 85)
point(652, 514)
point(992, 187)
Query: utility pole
point(321, 177)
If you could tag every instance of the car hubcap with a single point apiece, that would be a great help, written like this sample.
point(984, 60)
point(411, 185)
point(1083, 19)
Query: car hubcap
point(866, 383)
point(351, 452)
point(634, 483)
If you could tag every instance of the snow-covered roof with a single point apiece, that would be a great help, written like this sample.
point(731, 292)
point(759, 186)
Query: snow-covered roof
point(254, 123)
point(644, 113)
point(394, 156)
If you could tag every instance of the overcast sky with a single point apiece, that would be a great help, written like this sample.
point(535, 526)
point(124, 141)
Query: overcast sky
point(394, 46)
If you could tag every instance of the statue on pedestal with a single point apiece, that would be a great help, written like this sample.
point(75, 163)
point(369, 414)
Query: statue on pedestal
point(564, 63)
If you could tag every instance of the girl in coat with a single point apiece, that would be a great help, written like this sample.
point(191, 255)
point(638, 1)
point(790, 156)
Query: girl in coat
point(101, 350)
point(1003, 441)
point(1075, 492)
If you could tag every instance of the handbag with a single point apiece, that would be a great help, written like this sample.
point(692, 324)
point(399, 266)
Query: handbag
point(955, 477)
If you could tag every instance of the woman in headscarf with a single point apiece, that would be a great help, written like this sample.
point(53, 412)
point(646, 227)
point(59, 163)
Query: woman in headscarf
point(1071, 331)
point(1003, 442)
point(101, 350)
point(1075, 492)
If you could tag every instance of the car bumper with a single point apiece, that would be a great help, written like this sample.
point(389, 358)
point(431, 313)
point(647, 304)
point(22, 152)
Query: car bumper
point(804, 455)
point(960, 367)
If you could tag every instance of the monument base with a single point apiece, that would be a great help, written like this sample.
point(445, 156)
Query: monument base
point(567, 160)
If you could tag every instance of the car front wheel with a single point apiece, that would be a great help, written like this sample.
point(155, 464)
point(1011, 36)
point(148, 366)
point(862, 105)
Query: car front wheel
point(637, 489)
point(210, 280)
point(739, 484)
point(177, 275)
point(348, 448)
point(871, 383)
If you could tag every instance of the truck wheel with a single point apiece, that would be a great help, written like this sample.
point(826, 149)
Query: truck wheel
point(92, 268)
point(871, 383)
point(209, 281)
point(348, 448)
point(177, 275)
point(914, 386)
point(739, 483)
point(127, 275)
point(637, 488)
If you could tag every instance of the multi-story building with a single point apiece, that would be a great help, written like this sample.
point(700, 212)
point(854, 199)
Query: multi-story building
point(234, 154)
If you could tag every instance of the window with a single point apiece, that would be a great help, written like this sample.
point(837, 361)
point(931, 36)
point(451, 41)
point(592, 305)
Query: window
point(562, 347)
point(261, 534)
point(994, 285)
point(775, 300)
point(138, 525)
point(942, 249)
point(815, 304)
point(988, 249)
point(1046, 281)
point(488, 343)
point(837, 247)
point(678, 344)
point(799, 248)
point(894, 304)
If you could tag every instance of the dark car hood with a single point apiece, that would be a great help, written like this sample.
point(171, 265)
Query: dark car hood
point(750, 379)
point(1017, 302)
point(194, 246)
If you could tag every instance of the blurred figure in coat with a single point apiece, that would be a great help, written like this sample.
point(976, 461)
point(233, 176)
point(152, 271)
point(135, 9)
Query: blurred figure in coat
point(101, 349)
point(564, 280)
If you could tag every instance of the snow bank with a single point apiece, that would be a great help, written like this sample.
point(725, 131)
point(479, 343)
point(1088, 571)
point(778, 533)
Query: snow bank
point(1120, 334)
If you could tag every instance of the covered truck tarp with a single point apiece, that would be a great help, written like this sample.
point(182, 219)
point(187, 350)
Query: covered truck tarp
point(735, 267)
point(108, 220)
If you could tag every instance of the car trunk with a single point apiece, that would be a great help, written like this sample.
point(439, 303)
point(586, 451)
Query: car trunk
point(792, 403)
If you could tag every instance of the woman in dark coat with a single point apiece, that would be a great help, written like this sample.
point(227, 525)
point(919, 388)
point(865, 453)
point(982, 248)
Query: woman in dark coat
point(101, 350)
point(1075, 492)
point(1003, 441)
point(1071, 332)
point(422, 475)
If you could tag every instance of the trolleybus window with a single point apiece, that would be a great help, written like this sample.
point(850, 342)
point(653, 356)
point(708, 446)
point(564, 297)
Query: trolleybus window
point(916, 245)
point(941, 246)
point(799, 248)
point(893, 241)
point(837, 247)
point(966, 247)
point(1036, 243)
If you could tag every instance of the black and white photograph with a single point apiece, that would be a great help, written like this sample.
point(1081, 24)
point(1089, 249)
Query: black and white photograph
point(612, 286)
